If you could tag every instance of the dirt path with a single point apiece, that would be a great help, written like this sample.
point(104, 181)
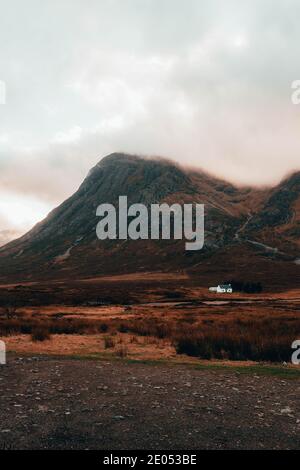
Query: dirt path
point(96, 404)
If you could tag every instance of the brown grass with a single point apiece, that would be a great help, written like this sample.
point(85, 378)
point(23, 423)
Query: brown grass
point(231, 332)
point(51, 325)
point(260, 340)
point(122, 351)
point(257, 339)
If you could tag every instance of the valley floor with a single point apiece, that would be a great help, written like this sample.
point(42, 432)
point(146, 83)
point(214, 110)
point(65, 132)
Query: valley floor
point(67, 403)
point(258, 328)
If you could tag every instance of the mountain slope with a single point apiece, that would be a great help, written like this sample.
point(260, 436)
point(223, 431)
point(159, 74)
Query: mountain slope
point(65, 243)
point(278, 221)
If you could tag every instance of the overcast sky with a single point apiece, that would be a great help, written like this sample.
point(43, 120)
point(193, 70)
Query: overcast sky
point(204, 82)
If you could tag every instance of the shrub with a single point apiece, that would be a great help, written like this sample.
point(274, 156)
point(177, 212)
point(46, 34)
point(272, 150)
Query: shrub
point(9, 311)
point(123, 328)
point(248, 287)
point(40, 334)
point(103, 327)
point(109, 342)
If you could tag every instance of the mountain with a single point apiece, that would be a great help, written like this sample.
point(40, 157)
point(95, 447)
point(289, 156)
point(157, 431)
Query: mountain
point(278, 221)
point(243, 227)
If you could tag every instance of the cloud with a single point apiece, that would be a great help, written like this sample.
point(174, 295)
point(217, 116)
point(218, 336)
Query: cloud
point(205, 83)
point(7, 235)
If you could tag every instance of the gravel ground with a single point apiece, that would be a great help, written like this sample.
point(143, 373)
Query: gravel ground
point(62, 403)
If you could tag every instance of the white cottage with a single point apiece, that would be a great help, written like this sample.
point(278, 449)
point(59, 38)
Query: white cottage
point(222, 288)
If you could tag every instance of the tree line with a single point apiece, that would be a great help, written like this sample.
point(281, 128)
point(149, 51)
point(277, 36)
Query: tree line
point(245, 286)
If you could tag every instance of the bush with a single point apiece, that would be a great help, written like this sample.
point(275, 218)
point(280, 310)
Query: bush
point(123, 328)
point(173, 294)
point(248, 287)
point(40, 334)
point(109, 342)
point(103, 327)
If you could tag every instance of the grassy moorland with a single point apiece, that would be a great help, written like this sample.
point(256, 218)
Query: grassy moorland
point(157, 319)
